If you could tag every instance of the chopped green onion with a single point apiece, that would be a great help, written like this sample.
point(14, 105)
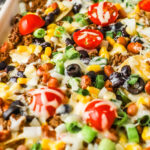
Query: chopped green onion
point(99, 81)
point(88, 134)
point(72, 53)
point(121, 119)
point(59, 31)
point(60, 67)
point(132, 134)
point(119, 33)
point(39, 33)
point(110, 34)
point(69, 19)
point(73, 127)
point(107, 144)
point(74, 83)
point(144, 121)
point(124, 98)
point(133, 79)
point(69, 47)
point(83, 92)
point(36, 146)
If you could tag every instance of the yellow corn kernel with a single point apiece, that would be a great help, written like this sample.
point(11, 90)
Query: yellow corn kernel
point(48, 10)
point(118, 48)
point(141, 101)
point(60, 145)
point(22, 80)
point(47, 38)
point(31, 48)
point(69, 28)
point(52, 26)
point(45, 144)
point(137, 9)
point(95, 68)
point(83, 99)
point(48, 51)
point(122, 138)
point(22, 49)
point(133, 147)
point(118, 6)
point(104, 53)
point(50, 32)
point(45, 58)
point(146, 133)
point(93, 91)
point(62, 7)
point(110, 40)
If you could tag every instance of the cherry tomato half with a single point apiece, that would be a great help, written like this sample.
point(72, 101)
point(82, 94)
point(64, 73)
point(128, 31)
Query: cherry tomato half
point(103, 13)
point(29, 23)
point(145, 5)
point(100, 114)
point(45, 101)
point(88, 38)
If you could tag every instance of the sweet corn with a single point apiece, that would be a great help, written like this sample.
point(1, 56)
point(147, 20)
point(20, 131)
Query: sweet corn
point(104, 53)
point(141, 101)
point(118, 48)
point(118, 6)
point(69, 28)
point(48, 51)
point(83, 99)
point(45, 58)
point(48, 10)
point(31, 48)
point(95, 68)
point(133, 147)
point(110, 40)
point(60, 145)
point(146, 133)
point(22, 80)
point(45, 144)
point(47, 38)
point(52, 26)
point(93, 91)
point(122, 138)
point(22, 49)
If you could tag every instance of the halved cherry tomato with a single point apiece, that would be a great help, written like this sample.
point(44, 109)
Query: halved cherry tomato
point(29, 23)
point(145, 5)
point(88, 38)
point(103, 13)
point(100, 114)
point(45, 101)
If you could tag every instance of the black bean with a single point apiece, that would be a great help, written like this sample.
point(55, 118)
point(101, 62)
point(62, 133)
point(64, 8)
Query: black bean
point(74, 70)
point(11, 110)
point(116, 79)
point(17, 103)
point(56, 11)
point(3, 65)
point(29, 118)
point(126, 71)
point(10, 68)
point(45, 44)
point(38, 41)
point(124, 33)
point(49, 18)
point(13, 79)
point(69, 42)
point(76, 8)
point(20, 74)
point(83, 54)
point(64, 109)
point(117, 26)
point(92, 75)
point(137, 88)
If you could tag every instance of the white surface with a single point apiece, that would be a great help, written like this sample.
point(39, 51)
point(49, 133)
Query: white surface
point(9, 9)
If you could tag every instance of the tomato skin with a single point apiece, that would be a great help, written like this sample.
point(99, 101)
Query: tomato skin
point(100, 114)
point(30, 23)
point(145, 5)
point(91, 40)
point(108, 8)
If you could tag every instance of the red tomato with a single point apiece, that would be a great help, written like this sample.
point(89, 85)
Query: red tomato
point(30, 23)
point(88, 38)
point(145, 5)
point(45, 101)
point(100, 114)
point(103, 13)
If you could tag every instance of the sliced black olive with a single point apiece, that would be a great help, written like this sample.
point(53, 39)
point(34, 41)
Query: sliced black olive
point(10, 111)
point(124, 33)
point(69, 42)
point(137, 88)
point(92, 75)
point(116, 79)
point(10, 68)
point(45, 44)
point(74, 70)
point(64, 109)
point(3, 65)
point(76, 8)
point(83, 54)
point(126, 71)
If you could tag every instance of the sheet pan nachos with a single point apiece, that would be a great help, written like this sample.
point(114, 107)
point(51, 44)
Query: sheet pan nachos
point(75, 75)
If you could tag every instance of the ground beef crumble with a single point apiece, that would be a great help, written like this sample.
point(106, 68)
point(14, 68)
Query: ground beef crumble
point(32, 58)
point(16, 19)
point(27, 39)
point(55, 121)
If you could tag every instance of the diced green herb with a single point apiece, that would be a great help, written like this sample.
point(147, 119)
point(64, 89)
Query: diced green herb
point(60, 67)
point(69, 19)
point(73, 127)
point(83, 92)
point(36, 146)
point(59, 31)
point(110, 34)
point(133, 79)
point(99, 81)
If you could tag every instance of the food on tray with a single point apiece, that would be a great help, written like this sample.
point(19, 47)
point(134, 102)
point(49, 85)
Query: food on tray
point(75, 75)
